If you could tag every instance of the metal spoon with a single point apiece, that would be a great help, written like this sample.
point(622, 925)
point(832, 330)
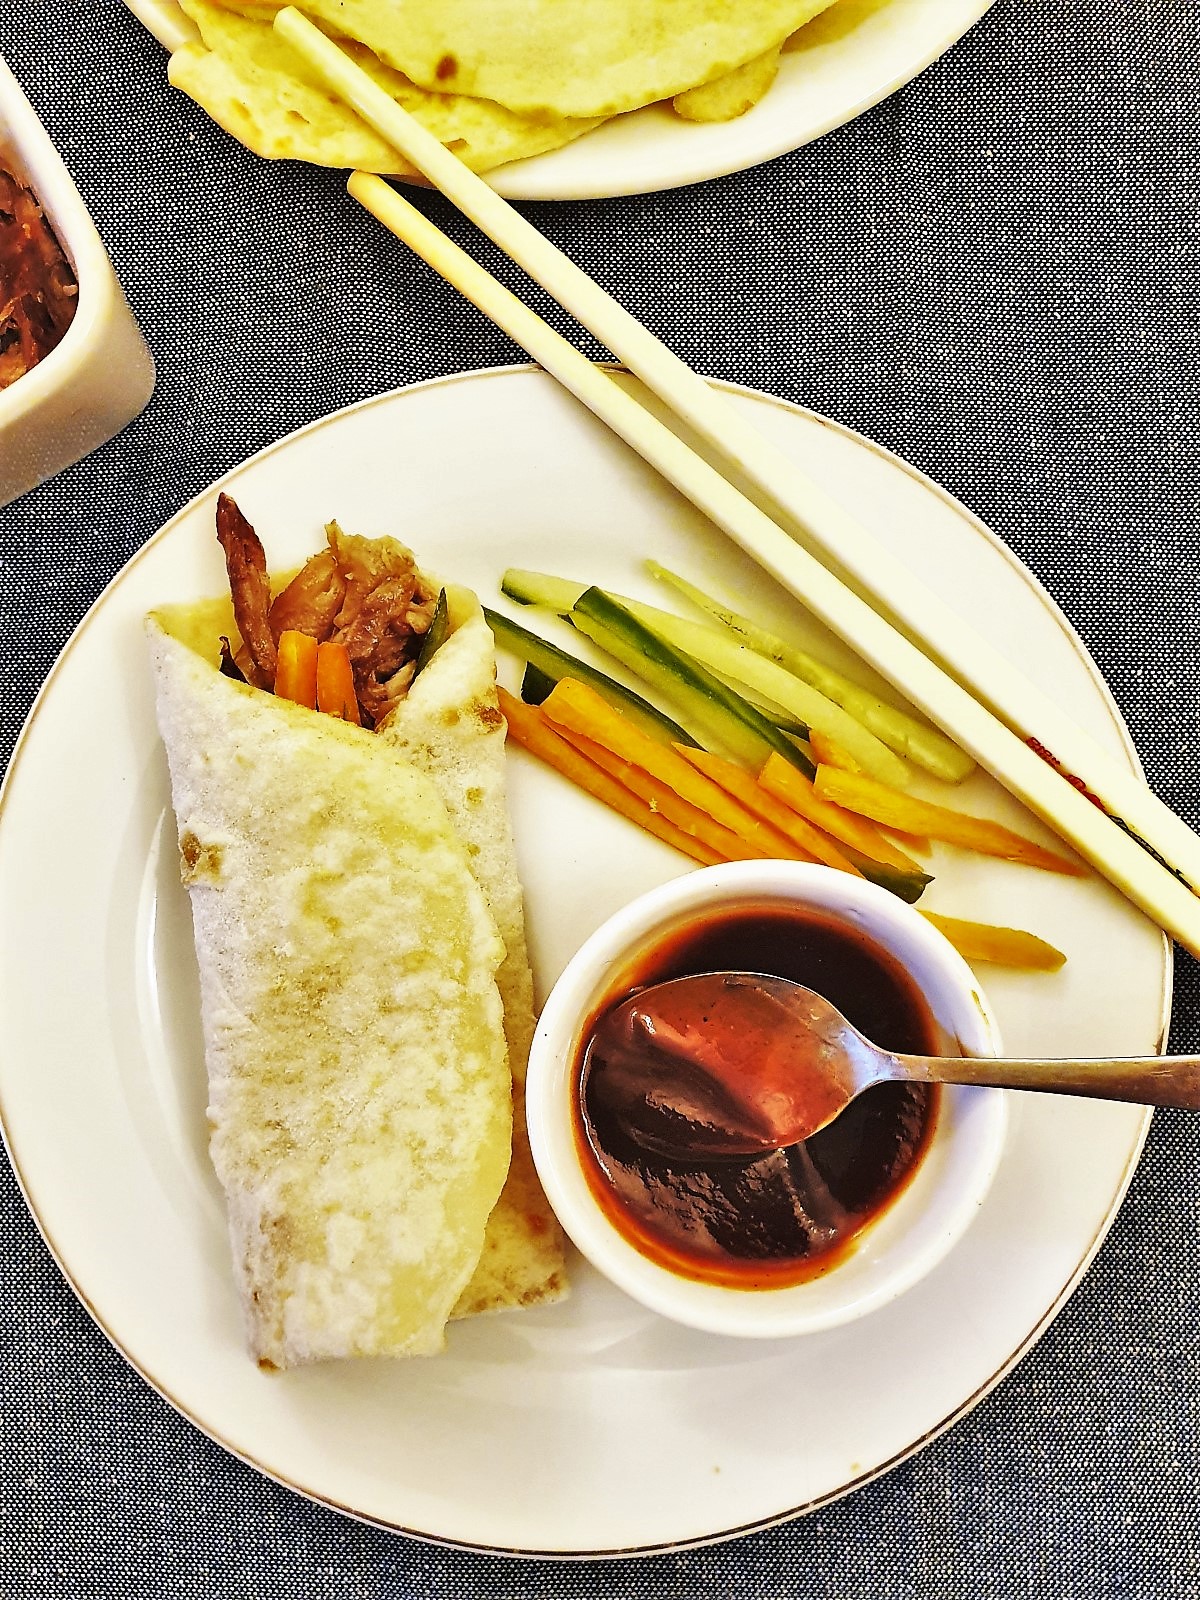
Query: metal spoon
point(732, 1064)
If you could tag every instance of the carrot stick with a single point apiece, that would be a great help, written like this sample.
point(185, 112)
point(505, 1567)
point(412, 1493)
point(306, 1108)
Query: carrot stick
point(893, 809)
point(1004, 947)
point(665, 802)
point(777, 778)
point(828, 753)
point(335, 682)
point(816, 846)
point(534, 732)
point(575, 708)
point(296, 668)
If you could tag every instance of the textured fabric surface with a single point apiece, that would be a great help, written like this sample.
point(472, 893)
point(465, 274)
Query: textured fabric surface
point(996, 273)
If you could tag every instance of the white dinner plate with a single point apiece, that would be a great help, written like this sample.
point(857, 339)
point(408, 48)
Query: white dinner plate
point(592, 1426)
point(842, 63)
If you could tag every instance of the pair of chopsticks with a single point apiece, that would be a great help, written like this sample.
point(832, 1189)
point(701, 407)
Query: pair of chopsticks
point(956, 678)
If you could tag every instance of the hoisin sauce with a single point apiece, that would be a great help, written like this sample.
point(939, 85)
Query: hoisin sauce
point(792, 1214)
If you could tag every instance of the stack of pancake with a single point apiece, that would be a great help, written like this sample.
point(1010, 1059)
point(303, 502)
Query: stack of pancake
point(496, 80)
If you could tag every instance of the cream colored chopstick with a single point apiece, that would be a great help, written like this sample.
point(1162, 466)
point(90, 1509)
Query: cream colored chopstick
point(1002, 752)
point(1170, 903)
point(941, 632)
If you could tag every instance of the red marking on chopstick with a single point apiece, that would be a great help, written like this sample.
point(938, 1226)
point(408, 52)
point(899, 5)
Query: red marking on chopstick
point(1052, 760)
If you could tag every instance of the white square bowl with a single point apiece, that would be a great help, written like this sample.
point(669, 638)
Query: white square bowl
point(100, 374)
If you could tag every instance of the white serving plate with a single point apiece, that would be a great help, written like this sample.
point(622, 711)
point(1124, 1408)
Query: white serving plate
point(100, 374)
point(590, 1427)
point(840, 65)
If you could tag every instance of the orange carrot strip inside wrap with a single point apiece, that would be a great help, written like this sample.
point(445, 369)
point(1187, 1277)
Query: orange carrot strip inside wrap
point(296, 668)
point(335, 682)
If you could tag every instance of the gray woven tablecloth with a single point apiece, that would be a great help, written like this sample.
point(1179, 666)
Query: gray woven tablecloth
point(997, 274)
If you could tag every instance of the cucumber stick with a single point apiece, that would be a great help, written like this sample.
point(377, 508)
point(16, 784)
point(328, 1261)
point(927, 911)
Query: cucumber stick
point(721, 653)
point(775, 714)
point(435, 635)
point(732, 660)
point(540, 589)
point(695, 692)
point(535, 684)
point(905, 885)
point(555, 663)
point(923, 745)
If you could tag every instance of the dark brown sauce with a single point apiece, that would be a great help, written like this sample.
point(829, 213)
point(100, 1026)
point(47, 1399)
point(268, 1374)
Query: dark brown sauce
point(792, 1214)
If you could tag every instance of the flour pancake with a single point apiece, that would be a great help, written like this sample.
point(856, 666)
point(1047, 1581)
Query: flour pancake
point(360, 1098)
point(572, 58)
point(450, 726)
point(733, 93)
point(256, 87)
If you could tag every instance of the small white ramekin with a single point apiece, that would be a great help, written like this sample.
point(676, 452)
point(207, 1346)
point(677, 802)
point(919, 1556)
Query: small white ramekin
point(100, 374)
point(913, 1233)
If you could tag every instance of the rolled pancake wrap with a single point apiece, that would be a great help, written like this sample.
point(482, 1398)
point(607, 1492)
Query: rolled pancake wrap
point(451, 727)
point(359, 1086)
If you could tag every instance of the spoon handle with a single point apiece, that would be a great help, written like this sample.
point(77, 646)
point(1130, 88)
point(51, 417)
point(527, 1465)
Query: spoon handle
point(1148, 1080)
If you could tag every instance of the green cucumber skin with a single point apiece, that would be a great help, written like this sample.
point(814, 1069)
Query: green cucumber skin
point(435, 635)
point(906, 886)
point(723, 708)
point(556, 663)
point(535, 684)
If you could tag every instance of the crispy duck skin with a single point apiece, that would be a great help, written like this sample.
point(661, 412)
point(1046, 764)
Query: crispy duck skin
point(250, 588)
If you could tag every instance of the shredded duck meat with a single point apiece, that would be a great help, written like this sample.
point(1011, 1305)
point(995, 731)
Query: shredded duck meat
point(312, 600)
point(365, 564)
point(364, 594)
point(38, 291)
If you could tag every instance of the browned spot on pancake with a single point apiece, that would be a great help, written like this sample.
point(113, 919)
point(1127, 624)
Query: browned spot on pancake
point(489, 715)
point(446, 68)
point(198, 863)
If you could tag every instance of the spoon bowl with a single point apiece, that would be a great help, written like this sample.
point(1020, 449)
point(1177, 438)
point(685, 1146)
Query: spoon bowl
point(728, 1065)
